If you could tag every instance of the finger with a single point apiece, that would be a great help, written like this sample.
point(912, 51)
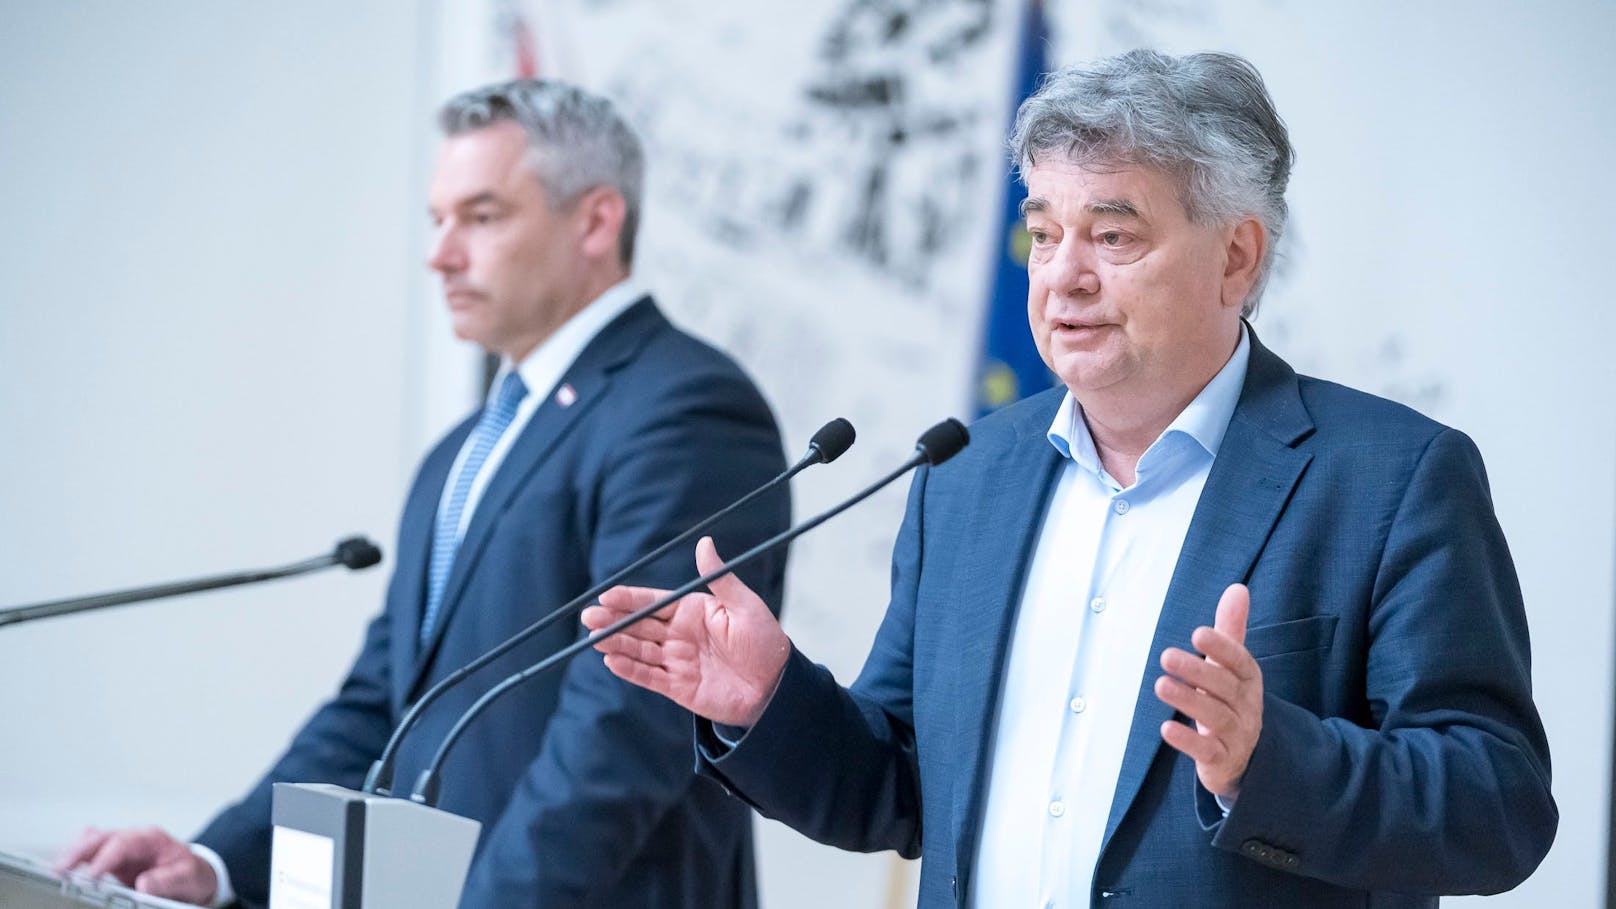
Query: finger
point(729, 589)
point(1213, 678)
point(123, 857)
point(89, 840)
point(1234, 607)
point(596, 618)
point(653, 678)
point(617, 643)
point(641, 651)
point(1215, 717)
point(1225, 651)
point(1203, 750)
point(82, 849)
point(621, 601)
point(182, 880)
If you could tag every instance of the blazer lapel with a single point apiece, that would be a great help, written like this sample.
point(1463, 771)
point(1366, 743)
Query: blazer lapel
point(1014, 495)
point(588, 377)
point(1250, 483)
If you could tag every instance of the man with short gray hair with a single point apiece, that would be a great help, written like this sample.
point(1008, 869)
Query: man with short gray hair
point(606, 432)
point(1188, 630)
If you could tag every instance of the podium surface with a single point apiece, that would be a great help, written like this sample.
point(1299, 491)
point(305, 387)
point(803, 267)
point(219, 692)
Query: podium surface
point(29, 884)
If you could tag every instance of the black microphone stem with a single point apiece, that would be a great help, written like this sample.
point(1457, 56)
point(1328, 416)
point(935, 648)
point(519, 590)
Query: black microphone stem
point(18, 614)
point(426, 790)
point(380, 778)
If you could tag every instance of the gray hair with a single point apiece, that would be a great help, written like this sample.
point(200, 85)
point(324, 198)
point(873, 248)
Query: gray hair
point(1204, 119)
point(577, 141)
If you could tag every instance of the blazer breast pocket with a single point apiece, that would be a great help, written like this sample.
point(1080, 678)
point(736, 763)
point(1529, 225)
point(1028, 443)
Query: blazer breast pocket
point(1292, 657)
point(1280, 638)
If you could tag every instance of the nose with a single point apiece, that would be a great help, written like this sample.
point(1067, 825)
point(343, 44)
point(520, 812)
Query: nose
point(447, 254)
point(1071, 272)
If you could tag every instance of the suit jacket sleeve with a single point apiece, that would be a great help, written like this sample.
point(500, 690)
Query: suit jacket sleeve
point(614, 757)
point(1448, 792)
point(840, 765)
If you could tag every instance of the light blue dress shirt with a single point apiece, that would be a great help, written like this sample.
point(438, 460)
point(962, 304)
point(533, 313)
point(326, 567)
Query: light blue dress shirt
point(1081, 643)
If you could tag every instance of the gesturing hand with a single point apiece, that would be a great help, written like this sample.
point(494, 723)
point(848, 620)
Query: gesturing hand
point(1222, 694)
point(718, 655)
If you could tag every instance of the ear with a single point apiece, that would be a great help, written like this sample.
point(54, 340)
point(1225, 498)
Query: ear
point(600, 213)
point(1247, 244)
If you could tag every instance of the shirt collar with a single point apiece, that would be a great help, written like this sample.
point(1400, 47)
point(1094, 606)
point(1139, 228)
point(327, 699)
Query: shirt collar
point(1205, 420)
point(544, 367)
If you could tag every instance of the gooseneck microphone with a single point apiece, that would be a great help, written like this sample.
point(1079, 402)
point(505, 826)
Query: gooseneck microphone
point(936, 445)
point(828, 444)
point(355, 553)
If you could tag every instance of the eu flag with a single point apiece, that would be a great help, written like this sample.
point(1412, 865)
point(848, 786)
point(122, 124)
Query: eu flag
point(1010, 368)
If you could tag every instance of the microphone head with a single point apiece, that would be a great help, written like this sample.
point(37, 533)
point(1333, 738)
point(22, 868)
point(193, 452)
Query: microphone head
point(832, 440)
point(943, 441)
point(357, 553)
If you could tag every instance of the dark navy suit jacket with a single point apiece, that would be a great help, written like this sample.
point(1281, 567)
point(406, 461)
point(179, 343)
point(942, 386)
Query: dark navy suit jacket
point(1400, 757)
point(582, 781)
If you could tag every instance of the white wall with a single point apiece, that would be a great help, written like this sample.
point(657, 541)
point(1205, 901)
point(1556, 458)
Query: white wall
point(209, 316)
point(217, 350)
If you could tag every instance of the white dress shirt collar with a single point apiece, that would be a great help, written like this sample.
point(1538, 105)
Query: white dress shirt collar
point(1205, 420)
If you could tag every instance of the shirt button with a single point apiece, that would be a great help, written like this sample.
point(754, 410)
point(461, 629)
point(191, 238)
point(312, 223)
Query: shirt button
point(1097, 604)
point(1120, 506)
point(1056, 809)
point(1079, 705)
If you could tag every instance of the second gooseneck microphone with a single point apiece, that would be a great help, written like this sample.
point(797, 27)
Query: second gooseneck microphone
point(936, 445)
point(828, 444)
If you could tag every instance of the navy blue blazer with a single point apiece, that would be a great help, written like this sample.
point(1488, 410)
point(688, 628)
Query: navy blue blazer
point(582, 782)
point(1400, 757)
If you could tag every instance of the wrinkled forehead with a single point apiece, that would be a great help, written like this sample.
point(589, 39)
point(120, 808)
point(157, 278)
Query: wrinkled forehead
point(1108, 186)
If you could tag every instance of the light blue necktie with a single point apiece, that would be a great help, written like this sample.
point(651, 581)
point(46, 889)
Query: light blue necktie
point(496, 418)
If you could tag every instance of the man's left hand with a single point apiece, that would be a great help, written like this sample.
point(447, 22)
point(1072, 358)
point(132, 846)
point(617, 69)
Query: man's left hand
point(1221, 691)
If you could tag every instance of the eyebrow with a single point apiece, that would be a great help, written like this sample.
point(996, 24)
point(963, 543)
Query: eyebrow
point(482, 198)
point(486, 197)
point(1119, 207)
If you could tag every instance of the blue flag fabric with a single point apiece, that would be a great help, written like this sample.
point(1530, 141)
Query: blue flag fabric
point(1010, 367)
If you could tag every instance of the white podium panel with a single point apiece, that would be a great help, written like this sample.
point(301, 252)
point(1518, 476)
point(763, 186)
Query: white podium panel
point(335, 848)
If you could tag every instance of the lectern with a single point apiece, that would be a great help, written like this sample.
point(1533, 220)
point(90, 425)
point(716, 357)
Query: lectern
point(28, 884)
point(335, 848)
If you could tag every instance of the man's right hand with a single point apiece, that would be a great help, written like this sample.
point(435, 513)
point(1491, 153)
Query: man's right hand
point(718, 655)
point(146, 859)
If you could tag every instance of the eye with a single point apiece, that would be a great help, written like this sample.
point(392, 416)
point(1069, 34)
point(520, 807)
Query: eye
point(1113, 238)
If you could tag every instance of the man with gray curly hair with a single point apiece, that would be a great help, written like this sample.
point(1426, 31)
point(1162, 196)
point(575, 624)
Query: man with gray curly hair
point(1188, 630)
point(606, 432)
